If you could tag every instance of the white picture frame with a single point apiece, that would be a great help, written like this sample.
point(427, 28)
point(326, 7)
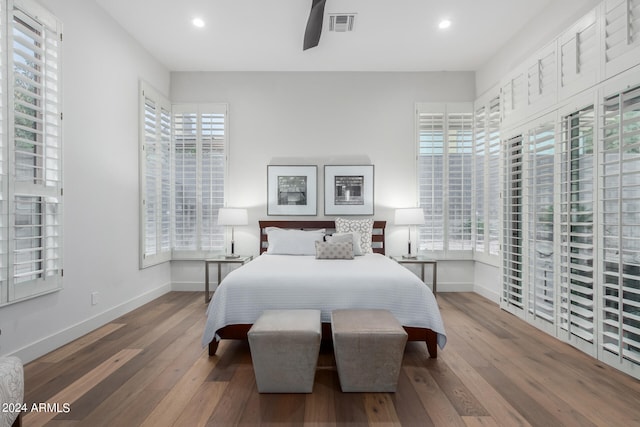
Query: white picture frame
point(292, 190)
point(348, 190)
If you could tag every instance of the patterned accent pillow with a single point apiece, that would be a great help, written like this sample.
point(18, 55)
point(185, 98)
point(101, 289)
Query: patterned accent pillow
point(341, 250)
point(362, 226)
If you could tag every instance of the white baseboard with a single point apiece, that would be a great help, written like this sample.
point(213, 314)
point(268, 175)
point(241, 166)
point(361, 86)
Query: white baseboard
point(65, 336)
point(191, 286)
point(489, 294)
point(454, 287)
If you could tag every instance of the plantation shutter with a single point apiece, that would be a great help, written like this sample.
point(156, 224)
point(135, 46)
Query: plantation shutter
point(540, 201)
point(4, 178)
point(213, 172)
point(458, 202)
point(155, 170)
point(576, 311)
point(514, 95)
point(200, 141)
point(579, 54)
point(185, 133)
point(542, 78)
point(512, 250)
point(445, 175)
point(431, 178)
point(480, 174)
point(621, 37)
point(620, 156)
point(493, 174)
point(35, 197)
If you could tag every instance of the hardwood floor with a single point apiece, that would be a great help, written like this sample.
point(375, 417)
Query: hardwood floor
point(148, 368)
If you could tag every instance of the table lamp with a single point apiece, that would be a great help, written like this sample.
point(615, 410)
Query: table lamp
point(232, 217)
point(409, 217)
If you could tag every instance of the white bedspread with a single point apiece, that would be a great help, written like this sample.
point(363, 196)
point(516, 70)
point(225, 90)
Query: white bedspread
point(298, 282)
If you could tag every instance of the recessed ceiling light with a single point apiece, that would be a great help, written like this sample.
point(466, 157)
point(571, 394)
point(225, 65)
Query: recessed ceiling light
point(198, 22)
point(444, 24)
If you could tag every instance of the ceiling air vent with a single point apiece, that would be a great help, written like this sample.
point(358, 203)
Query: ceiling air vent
point(341, 22)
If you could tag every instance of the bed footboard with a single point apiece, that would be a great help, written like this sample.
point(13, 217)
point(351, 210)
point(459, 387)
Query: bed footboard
point(239, 332)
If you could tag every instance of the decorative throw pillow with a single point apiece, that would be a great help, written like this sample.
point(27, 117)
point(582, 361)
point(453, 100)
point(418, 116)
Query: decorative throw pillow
point(362, 226)
point(340, 250)
point(353, 237)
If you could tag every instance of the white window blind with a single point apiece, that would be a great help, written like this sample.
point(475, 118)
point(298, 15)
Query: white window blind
point(4, 164)
point(487, 178)
point(542, 77)
point(431, 179)
point(445, 176)
point(514, 95)
point(579, 53)
point(512, 250)
point(200, 141)
point(480, 176)
point(155, 170)
point(620, 204)
point(31, 193)
point(621, 37)
point(459, 180)
point(493, 176)
point(540, 217)
point(576, 311)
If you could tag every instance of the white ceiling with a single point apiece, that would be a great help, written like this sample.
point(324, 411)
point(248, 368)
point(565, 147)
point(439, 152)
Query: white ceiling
point(266, 35)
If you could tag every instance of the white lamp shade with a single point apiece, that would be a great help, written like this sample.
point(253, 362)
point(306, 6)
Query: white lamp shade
point(409, 216)
point(232, 216)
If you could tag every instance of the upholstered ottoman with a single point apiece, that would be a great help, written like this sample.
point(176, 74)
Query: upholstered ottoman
point(11, 391)
point(284, 348)
point(368, 345)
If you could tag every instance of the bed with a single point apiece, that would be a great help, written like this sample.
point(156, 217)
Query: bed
point(302, 281)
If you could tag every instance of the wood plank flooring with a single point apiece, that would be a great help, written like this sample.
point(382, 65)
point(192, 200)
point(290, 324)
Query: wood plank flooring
point(148, 368)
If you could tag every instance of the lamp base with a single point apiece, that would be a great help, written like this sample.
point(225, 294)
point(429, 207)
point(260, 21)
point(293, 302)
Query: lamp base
point(232, 256)
point(409, 256)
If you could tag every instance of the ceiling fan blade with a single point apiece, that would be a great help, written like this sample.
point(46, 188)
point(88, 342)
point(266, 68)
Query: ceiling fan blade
point(314, 25)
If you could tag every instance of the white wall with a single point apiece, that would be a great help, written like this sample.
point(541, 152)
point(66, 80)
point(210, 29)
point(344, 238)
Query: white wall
point(318, 118)
point(101, 69)
point(535, 34)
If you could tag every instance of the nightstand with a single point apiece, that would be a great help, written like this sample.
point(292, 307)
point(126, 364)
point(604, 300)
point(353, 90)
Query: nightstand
point(422, 261)
point(242, 259)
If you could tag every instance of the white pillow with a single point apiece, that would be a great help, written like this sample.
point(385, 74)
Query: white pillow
point(362, 226)
point(293, 242)
point(353, 237)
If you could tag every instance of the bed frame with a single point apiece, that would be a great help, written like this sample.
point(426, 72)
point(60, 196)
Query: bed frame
point(378, 246)
point(377, 237)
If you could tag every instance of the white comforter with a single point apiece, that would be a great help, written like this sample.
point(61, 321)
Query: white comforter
point(298, 282)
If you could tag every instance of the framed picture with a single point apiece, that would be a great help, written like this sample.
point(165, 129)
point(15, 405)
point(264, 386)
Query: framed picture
point(292, 190)
point(348, 190)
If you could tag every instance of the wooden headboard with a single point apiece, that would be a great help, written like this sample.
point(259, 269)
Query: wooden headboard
point(377, 236)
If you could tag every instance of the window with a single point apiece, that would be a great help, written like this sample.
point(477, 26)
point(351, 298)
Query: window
point(31, 166)
point(493, 177)
point(182, 178)
point(512, 295)
point(199, 177)
point(620, 204)
point(155, 177)
point(540, 179)
point(445, 176)
point(431, 179)
point(487, 178)
point(480, 153)
point(576, 314)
